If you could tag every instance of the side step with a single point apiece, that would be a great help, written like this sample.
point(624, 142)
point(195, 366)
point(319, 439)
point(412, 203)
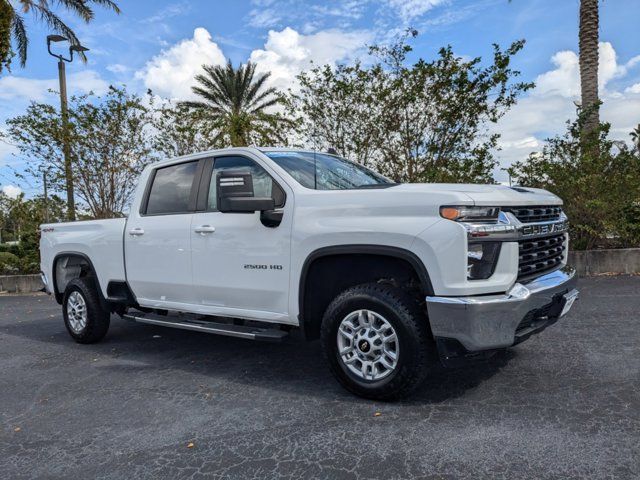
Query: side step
point(185, 322)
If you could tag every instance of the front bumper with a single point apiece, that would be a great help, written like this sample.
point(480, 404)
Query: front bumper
point(485, 322)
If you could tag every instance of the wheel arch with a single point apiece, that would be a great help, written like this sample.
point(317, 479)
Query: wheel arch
point(374, 260)
point(79, 260)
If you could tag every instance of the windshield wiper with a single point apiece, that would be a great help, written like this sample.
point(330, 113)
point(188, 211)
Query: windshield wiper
point(376, 185)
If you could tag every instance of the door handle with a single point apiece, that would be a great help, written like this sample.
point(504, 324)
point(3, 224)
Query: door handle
point(204, 229)
point(136, 232)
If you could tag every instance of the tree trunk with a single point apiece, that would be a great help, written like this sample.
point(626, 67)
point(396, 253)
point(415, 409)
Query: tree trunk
point(589, 64)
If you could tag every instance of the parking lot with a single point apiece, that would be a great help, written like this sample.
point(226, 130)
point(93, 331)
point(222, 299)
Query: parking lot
point(150, 402)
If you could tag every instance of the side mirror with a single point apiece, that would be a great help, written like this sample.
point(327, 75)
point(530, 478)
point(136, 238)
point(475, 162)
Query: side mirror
point(235, 193)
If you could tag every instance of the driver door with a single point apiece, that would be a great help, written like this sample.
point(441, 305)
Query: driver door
point(240, 266)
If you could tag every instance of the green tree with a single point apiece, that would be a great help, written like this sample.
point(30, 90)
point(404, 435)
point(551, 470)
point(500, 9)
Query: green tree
point(12, 24)
point(600, 185)
point(239, 106)
point(179, 130)
point(341, 108)
point(20, 219)
point(415, 122)
point(111, 145)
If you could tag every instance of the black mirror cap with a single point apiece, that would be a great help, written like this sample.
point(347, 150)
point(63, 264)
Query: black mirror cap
point(235, 193)
point(245, 204)
point(234, 183)
point(271, 218)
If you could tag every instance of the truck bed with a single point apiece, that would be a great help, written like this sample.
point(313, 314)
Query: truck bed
point(101, 241)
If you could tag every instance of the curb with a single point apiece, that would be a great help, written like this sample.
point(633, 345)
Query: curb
point(20, 283)
point(599, 262)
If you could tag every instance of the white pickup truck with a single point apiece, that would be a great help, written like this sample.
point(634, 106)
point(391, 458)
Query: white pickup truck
point(255, 242)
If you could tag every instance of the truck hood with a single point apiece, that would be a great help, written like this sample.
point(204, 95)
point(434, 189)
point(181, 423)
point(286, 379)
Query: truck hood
point(487, 195)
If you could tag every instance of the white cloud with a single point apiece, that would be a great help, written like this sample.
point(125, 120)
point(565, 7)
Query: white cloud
point(407, 10)
point(13, 87)
point(117, 68)
point(263, 18)
point(564, 80)
point(11, 191)
point(171, 72)
point(352, 9)
point(287, 52)
point(545, 111)
point(635, 88)
point(171, 10)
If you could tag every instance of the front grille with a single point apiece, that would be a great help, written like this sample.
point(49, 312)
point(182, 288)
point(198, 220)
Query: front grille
point(535, 214)
point(540, 255)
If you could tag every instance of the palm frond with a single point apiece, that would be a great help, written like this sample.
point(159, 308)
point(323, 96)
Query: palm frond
point(107, 4)
point(271, 102)
point(58, 26)
point(79, 7)
point(194, 105)
point(26, 5)
point(257, 86)
point(20, 34)
point(265, 96)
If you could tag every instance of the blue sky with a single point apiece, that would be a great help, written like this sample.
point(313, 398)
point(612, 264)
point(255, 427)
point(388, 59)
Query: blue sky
point(161, 44)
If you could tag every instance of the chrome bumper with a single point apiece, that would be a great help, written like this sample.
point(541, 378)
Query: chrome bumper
point(485, 322)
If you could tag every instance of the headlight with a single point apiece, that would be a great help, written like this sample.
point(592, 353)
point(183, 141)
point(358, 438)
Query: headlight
point(470, 214)
point(481, 259)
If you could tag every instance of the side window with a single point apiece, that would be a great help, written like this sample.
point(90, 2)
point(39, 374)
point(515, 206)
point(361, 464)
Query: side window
point(263, 184)
point(171, 189)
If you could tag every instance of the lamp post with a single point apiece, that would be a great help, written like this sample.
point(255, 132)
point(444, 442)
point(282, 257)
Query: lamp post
point(71, 206)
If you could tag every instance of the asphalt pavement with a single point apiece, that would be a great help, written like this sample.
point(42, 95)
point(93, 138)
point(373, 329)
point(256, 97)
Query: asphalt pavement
point(151, 402)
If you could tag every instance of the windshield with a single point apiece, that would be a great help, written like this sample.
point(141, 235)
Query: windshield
point(321, 171)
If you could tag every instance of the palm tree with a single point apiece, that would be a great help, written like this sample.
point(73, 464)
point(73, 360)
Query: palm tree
point(12, 23)
point(236, 104)
point(588, 45)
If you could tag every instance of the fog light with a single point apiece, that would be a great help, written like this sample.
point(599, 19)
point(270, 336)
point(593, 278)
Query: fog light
point(481, 259)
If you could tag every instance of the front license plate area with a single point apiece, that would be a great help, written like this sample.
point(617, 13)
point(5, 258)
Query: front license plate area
point(568, 300)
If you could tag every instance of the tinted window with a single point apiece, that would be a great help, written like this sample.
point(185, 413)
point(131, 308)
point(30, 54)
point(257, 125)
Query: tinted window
point(263, 184)
point(171, 189)
point(327, 172)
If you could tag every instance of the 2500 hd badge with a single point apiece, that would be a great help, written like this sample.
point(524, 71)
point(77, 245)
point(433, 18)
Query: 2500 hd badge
point(255, 266)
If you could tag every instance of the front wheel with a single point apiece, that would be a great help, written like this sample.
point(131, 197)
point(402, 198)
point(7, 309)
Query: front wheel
point(85, 318)
point(377, 341)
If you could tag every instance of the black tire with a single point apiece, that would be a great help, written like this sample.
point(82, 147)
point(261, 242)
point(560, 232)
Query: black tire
point(417, 351)
point(98, 318)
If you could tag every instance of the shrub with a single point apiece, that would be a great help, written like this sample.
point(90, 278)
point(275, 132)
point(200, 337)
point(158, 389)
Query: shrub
point(599, 181)
point(9, 264)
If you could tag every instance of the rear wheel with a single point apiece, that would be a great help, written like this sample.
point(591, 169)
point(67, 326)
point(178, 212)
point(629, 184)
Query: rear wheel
point(85, 318)
point(377, 341)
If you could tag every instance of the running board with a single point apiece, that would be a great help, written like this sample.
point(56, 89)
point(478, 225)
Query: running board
point(230, 330)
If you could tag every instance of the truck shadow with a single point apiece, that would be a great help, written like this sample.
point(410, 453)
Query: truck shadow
point(292, 367)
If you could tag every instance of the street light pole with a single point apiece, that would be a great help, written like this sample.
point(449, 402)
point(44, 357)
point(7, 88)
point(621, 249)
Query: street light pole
point(66, 148)
point(68, 174)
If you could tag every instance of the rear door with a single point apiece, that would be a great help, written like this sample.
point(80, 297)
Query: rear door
point(158, 237)
point(240, 266)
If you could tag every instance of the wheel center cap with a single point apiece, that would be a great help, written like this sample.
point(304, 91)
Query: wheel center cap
point(364, 346)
